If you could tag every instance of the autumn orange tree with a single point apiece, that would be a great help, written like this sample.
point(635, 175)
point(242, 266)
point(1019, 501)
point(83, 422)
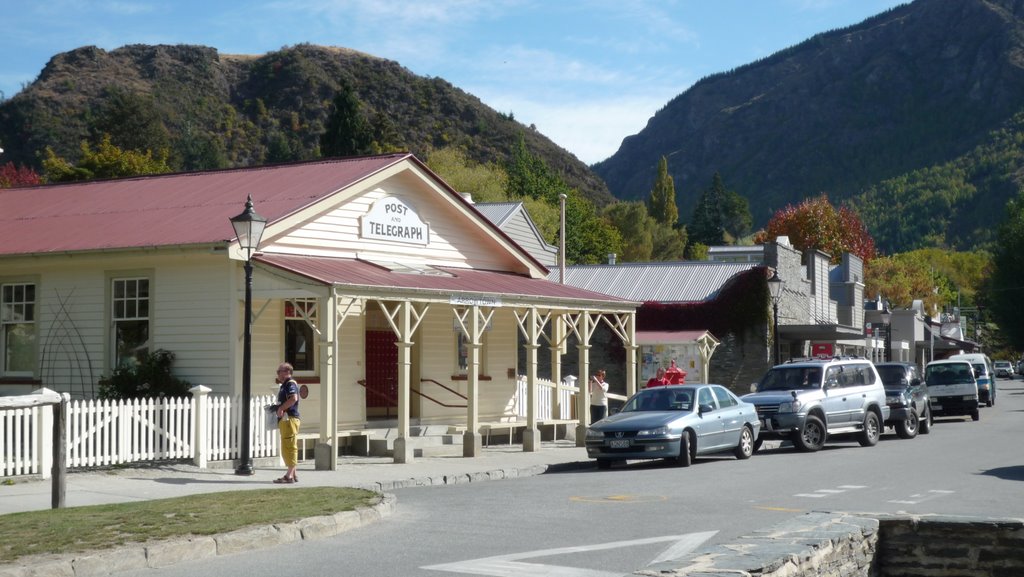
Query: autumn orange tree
point(12, 176)
point(816, 224)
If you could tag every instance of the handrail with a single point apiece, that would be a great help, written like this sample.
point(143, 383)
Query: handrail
point(445, 387)
point(394, 400)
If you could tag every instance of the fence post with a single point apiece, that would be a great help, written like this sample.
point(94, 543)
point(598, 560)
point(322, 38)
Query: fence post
point(42, 454)
point(58, 489)
point(200, 400)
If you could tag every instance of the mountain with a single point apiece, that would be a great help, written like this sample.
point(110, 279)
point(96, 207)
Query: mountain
point(919, 86)
point(218, 110)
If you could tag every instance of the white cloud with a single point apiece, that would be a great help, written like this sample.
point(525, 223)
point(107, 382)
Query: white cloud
point(591, 129)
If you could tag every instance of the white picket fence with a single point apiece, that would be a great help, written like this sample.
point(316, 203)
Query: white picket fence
point(103, 432)
point(547, 405)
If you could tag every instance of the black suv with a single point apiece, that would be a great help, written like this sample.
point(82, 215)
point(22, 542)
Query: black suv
point(907, 397)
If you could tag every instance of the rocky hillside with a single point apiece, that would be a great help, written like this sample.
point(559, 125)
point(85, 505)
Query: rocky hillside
point(215, 110)
point(918, 86)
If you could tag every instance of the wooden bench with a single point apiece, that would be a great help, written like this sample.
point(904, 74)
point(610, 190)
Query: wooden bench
point(551, 426)
point(486, 428)
point(361, 438)
point(546, 425)
point(510, 426)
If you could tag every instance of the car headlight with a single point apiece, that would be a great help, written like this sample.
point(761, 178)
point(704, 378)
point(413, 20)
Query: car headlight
point(896, 400)
point(790, 406)
point(659, 432)
point(594, 434)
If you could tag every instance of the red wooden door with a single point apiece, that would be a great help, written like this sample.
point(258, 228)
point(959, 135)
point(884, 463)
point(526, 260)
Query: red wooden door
point(381, 369)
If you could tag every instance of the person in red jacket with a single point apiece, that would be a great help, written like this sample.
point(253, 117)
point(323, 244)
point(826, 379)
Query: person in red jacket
point(658, 380)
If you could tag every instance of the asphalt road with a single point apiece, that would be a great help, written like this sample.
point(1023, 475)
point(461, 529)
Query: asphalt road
point(592, 523)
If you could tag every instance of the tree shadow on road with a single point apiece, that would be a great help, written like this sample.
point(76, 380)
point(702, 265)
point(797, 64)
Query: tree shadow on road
point(1015, 473)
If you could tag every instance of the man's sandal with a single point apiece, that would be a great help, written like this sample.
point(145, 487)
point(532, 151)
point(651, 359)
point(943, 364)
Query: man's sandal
point(284, 480)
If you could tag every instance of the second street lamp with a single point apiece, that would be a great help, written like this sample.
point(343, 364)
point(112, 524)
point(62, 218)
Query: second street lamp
point(887, 320)
point(775, 291)
point(248, 230)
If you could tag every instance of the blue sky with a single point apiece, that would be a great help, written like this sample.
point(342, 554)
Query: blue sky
point(587, 73)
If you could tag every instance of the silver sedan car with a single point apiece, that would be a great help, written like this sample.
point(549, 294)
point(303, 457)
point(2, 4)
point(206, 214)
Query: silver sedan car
point(675, 422)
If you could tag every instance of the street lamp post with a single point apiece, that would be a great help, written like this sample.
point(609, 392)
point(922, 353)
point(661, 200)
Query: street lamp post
point(887, 319)
point(775, 291)
point(248, 230)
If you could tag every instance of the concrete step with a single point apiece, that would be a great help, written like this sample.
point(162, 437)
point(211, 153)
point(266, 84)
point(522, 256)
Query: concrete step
point(432, 440)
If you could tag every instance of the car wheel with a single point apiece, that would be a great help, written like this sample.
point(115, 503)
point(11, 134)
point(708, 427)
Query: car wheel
point(685, 458)
point(908, 428)
point(604, 464)
point(812, 436)
point(975, 415)
point(869, 434)
point(745, 448)
point(926, 421)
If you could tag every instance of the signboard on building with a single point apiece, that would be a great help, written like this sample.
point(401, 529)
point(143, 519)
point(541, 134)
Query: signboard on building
point(823, 350)
point(390, 218)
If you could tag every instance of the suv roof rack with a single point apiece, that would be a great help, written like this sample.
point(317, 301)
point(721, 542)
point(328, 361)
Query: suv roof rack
point(825, 359)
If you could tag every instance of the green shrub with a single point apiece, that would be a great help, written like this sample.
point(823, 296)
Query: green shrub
point(150, 378)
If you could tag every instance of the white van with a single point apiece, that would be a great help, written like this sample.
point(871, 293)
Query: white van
point(984, 372)
point(952, 388)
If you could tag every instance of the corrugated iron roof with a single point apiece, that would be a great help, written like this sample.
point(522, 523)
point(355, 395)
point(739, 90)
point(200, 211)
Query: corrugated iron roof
point(167, 210)
point(497, 212)
point(665, 282)
point(661, 337)
point(330, 271)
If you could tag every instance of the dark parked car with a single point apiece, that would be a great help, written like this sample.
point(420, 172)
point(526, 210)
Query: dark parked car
point(907, 397)
point(677, 423)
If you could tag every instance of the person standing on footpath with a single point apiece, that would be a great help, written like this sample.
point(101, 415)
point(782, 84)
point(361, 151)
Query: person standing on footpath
point(288, 421)
point(598, 397)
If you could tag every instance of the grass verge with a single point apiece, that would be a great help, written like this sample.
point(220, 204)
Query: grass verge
point(78, 529)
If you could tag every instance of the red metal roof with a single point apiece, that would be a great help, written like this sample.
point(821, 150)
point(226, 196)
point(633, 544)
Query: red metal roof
point(471, 281)
point(167, 210)
point(661, 337)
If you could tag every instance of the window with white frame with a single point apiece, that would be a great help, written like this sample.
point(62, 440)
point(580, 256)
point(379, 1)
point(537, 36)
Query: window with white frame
point(129, 311)
point(299, 337)
point(18, 334)
point(462, 344)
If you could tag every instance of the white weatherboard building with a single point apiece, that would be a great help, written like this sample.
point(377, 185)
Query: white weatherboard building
point(392, 296)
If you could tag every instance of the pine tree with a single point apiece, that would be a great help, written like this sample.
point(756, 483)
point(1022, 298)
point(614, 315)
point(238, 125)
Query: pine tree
point(348, 132)
point(662, 203)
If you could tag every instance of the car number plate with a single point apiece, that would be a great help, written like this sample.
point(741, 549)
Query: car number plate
point(936, 407)
point(619, 443)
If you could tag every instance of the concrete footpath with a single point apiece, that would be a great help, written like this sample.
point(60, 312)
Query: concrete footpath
point(123, 484)
point(128, 484)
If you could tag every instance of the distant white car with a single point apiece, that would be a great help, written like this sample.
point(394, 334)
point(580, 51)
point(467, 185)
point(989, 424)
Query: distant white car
point(1003, 369)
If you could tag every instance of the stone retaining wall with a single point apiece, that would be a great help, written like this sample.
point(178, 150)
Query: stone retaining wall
point(848, 545)
point(944, 546)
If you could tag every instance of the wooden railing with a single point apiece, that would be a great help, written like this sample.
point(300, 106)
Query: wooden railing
point(393, 399)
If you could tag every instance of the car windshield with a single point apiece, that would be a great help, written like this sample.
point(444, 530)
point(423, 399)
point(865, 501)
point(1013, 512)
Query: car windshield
point(948, 375)
point(980, 369)
point(789, 378)
point(891, 374)
point(660, 399)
